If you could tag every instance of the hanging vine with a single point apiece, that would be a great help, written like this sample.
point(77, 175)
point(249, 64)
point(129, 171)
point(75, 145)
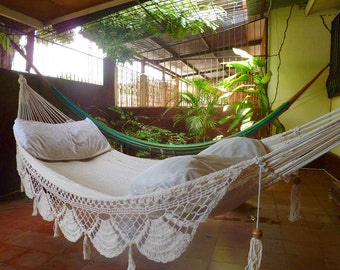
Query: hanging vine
point(116, 32)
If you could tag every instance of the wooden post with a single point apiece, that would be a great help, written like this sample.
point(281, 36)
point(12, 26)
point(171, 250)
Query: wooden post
point(162, 93)
point(143, 90)
point(110, 80)
point(29, 50)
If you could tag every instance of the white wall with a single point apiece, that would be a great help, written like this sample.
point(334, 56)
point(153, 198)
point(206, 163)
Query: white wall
point(305, 51)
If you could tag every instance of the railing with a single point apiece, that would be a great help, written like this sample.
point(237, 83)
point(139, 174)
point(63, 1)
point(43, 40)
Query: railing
point(149, 89)
point(154, 87)
point(136, 89)
point(66, 62)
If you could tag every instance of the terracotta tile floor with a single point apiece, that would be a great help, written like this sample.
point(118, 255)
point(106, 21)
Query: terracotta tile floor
point(313, 243)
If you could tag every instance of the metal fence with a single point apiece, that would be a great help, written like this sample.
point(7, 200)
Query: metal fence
point(156, 89)
point(66, 62)
point(149, 89)
point(135, 85)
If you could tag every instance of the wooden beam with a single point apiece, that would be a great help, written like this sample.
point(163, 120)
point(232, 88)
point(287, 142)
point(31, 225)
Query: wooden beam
point(20, 17)
point(190, 56)
point(322, 7)
point(87, 11)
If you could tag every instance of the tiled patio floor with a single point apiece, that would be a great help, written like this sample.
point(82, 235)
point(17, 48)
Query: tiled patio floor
point(312, 243)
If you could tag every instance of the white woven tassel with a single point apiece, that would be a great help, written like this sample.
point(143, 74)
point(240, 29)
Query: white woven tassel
point(255, 253)
point(132, 265)
point(295, 205)
point(22, 188)
point(86, 248)
point(255, 249)
point(35, 205)
point(56, 228)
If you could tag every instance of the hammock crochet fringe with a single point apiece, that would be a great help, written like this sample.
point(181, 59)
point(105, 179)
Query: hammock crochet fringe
point(160, 225)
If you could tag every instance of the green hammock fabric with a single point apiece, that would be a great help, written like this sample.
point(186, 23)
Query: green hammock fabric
point(184, 149)
point(166, 149)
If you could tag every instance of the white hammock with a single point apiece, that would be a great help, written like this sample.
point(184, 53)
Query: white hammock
point(89, 197)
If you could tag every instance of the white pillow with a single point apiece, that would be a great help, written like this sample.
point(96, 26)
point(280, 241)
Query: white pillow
point(237, 148)
point(177, 170)
point(57, 142)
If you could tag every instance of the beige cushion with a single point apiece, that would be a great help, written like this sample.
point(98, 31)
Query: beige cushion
point(174, 171)
point(56, 142)
point(177, 170)
point(237, 148)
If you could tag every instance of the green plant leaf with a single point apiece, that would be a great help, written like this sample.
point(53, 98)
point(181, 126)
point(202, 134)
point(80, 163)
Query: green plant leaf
point(236, 122)
point(266, 78)
point(279, 127)
point(258, 62)
point(242, 65)
point(226, 95)
point(246, 125)
point(242, 53)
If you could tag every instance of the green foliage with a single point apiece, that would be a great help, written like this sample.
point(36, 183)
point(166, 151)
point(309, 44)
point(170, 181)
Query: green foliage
point(251, 78)
point(200, 110)
point(6, 46)
point(132, 125)
point(49, 34)
point(242, 116)
point(126, 120)
point(115, 32)
point(156, 134)
point(44, 33)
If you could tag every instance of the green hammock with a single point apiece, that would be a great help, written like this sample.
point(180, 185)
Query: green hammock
point(166, 149)
point(179, 149)
point(159, 148)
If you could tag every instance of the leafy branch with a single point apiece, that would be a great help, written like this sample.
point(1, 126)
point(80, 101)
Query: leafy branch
point(116, 33)
point(251, 77)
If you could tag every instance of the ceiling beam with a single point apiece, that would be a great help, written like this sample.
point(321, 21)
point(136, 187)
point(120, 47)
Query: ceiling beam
point(322, 7)
point(190, 56)
point(20, 17)
point(87, 11)
point(78, 21)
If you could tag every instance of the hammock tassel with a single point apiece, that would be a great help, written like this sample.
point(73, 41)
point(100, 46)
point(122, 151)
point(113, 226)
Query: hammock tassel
point(22, 188)
point(56, 228)
point(295, 205)
point(35, 205)
point(86, 248)
point(132, 265)
point(255, 251)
